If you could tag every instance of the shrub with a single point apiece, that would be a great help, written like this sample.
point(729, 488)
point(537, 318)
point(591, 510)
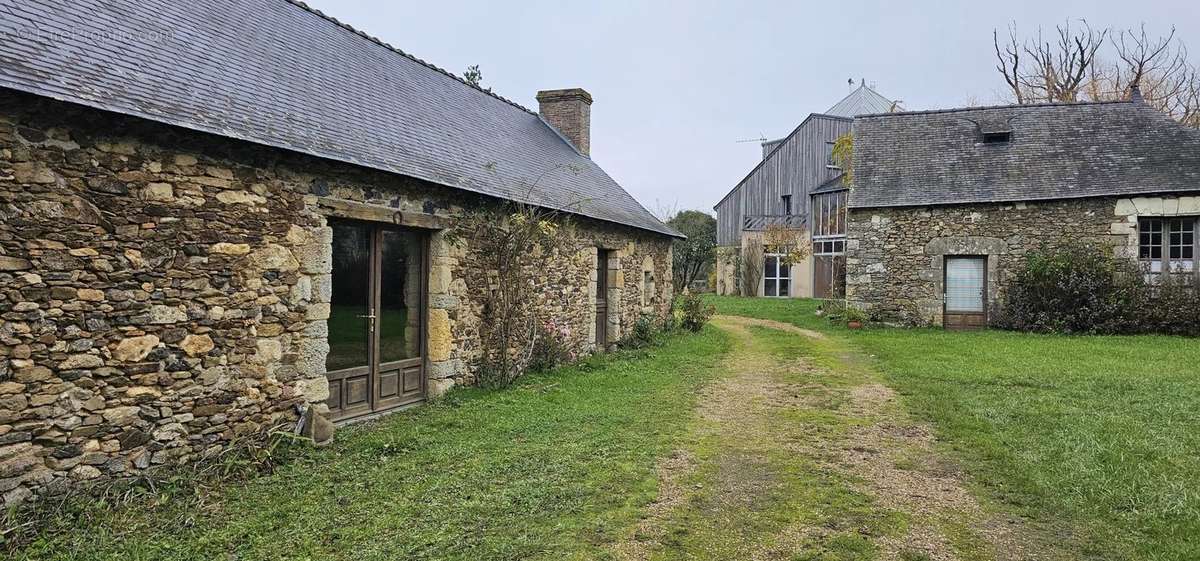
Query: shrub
point(838, 311)
point(1076, 289)
point(695, 312)
point(643, 334)
point(551, 346)
point(1082, 288)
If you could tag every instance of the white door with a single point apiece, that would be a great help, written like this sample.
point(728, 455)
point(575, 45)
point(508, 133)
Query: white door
point(965, 292)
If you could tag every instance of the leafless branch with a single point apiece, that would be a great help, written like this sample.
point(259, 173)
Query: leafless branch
point(1009, 62)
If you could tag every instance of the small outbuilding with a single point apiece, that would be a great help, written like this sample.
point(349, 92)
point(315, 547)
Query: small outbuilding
point(946, 204)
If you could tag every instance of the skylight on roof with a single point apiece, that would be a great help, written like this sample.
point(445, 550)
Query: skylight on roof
point(997, 137)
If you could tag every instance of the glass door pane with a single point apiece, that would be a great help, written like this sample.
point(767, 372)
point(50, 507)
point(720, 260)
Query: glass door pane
point(348, 364)
point(401, 311)
point(964, 284)
point(350, 302)
point(400, 296)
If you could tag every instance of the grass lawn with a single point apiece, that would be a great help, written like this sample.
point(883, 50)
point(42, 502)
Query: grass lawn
point(556, 468)
point(752, 439)
point(1094, 440)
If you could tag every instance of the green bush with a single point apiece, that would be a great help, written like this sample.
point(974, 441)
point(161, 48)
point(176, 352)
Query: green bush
point(695, 312)
point(1082, 288)
point(837, 311)
point(645, 331)
point(551, 348)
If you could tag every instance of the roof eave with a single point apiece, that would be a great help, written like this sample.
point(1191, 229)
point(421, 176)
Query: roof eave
point(224, 133)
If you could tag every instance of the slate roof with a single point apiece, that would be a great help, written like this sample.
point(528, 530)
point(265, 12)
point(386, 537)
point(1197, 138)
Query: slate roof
point(1056, 151)
point(278, 73)
point(861, 101)
point(835, 184)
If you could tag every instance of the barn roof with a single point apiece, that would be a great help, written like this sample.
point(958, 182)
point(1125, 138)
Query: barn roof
point(278, 73)
point(863, 100)
point(1033, 152)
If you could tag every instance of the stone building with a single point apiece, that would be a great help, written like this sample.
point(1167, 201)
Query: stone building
point(946, 204)
point(217, 215)
point(794, 193)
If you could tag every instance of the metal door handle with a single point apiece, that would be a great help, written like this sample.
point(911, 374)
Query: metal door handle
point(372, 318)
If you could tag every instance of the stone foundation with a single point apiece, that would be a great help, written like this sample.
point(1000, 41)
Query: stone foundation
point(163, 292)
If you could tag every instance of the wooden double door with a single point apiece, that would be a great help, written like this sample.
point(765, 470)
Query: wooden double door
point(377, 313)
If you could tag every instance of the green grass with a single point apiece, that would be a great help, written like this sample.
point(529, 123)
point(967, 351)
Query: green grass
point(753, 496)
point(1095, 440)
point(557, 467)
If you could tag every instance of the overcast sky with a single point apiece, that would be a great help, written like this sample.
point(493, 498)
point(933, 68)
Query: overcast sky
point(677, 84)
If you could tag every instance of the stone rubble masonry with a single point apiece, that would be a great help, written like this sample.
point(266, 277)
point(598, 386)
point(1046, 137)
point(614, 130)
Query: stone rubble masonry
point(895, 255)
point(164, 291)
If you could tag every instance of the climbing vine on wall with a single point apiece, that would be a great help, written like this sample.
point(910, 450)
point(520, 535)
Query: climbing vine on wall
point(843, 156)
point(509, 244)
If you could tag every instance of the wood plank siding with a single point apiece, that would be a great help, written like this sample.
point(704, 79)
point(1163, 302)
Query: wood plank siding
point(795, 167)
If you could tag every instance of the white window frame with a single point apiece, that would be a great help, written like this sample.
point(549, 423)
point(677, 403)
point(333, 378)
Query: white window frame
point(1156, 266)
point(778, 257)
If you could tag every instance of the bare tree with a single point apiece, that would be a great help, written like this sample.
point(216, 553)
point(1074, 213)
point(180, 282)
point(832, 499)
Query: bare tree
point(1160, 69)
point(1053, 70)
point(1010, 62)
point(1070, 67)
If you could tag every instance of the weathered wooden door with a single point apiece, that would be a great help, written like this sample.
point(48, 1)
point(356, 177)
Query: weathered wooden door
point(965, 293)
point(602, 299)
point(376, 319)
point(829, 276)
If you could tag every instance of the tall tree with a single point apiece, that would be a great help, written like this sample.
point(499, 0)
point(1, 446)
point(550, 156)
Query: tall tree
point(1052, 69)
point(1075, 66)
point(696, 254)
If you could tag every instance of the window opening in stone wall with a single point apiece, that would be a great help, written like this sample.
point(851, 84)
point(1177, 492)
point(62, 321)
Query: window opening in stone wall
point(1169, 244)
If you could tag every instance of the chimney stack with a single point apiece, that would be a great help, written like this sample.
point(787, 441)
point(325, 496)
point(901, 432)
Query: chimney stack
point(569, 111)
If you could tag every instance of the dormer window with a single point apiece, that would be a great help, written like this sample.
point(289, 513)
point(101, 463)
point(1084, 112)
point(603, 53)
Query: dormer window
point(997, 137)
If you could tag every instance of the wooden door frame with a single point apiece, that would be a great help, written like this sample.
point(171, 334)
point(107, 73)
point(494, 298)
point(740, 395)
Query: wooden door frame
point(374, 366)
point(602, 287)
point(422, 328)
point(984, 293)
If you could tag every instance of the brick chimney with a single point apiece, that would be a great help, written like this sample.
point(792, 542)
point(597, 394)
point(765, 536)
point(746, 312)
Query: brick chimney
point(569, 111)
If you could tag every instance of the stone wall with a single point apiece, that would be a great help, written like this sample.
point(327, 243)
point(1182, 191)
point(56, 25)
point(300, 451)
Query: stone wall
point(895, 256)
point(163, 292)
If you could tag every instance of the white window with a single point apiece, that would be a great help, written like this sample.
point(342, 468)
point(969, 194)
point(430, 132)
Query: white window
point(1169, 244)
point(777, 276)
